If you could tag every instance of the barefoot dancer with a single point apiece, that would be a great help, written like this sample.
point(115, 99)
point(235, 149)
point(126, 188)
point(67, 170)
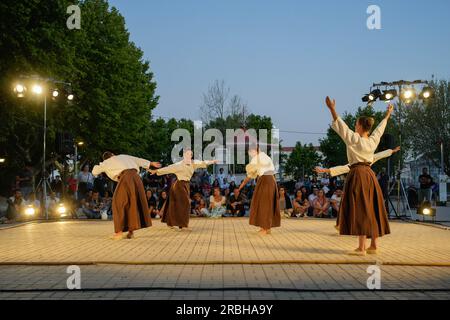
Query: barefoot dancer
point(177, 208)
point(340, 170)
point(129, 203)
point(264, 208)
point(362, 211)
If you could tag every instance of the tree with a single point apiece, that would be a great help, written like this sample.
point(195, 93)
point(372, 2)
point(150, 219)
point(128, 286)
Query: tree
point(302, 161)
point(113, 86)
point(217, 106)
point(427, 125)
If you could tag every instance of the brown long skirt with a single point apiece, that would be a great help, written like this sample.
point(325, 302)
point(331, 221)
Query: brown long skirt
point(362, 211)
point(178, 205)
point(265, 207)
point(129, 203)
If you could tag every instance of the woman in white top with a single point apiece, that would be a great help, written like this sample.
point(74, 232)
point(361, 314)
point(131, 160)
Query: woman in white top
point(362, 211)
point(265, 207)
point(177, 208)
point(217, 204)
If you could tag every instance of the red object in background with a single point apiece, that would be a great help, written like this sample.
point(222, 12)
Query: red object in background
point(72, 182)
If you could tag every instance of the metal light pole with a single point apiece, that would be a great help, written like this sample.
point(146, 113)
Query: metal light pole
point(44, 177)
point(76, 170)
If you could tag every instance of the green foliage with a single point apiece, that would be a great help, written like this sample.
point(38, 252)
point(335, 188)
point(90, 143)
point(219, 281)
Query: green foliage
point(302, 160)
point(113, 86)
point(427, 124)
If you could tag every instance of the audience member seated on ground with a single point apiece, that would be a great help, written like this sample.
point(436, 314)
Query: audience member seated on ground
point(199, 207)
point(217, 204)
point(336, 201)
point(94, 207)
point(16, 205)
point(161, 201)
point(52, 204)
point(206, 189)
point(321, 205)
point(236, 203)
point(107, 202)
point(311, 198)
point(151, 202)
point(300, 205)
point(285, 203)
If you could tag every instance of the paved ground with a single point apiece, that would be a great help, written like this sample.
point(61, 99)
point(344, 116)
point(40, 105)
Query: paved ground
point(217, 241)
point(220, 259)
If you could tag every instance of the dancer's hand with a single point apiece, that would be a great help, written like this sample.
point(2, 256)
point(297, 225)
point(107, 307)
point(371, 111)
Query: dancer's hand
point(396, 149)
point(151, 171)
point(389, 110)
point(321, 170)
point(155, 164)
point(331, 104)
point(215, 161)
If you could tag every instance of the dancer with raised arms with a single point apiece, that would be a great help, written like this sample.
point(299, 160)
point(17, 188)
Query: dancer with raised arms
point(362, 211)
point(177, 208)
point(129, 203)
point(264, 207)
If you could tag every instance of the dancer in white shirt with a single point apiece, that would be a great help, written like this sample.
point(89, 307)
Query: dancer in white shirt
point(362, 211)
point(129, 203)
point(264, 207)
point(177, 208)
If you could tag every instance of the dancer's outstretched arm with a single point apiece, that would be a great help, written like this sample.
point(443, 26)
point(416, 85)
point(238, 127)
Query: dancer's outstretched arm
point(244, 182)
point(203, 164)
point(340, 170)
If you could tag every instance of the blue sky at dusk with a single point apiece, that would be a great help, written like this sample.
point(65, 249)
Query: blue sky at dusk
point(284, 57)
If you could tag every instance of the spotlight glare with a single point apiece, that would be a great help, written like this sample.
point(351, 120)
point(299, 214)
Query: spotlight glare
point(408, 94)
point(2, 160)
point(55, 93)
point(70, 97)
point(20, 88)
point(426, 93)
point(30, 211)
point(62, 210)
point(37, 89)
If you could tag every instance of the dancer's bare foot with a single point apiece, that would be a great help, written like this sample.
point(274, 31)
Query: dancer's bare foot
point(357, 252)
point(263, 232)
point(117, 236)
point(372, 250)
point(130, 235)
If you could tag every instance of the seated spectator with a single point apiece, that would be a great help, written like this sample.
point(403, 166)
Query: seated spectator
point(16, 205)
point(321, 205)
point(236, 203)
point(52, 203)
point(285, 203)
point(300, 205)
point(93, 207)
point(336, 201)
point(151, 201)
point(199, 206)
point(161, 201)
point(311, 199)
point(217, 204)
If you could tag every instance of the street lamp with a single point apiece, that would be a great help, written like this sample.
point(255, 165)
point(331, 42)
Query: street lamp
point(37, 88)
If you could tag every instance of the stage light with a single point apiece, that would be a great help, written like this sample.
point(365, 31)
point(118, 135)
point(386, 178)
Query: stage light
point(375, 94)
point(408, 94)
point(70, 97)
point(37, 89)
point(425, 209)
point(80, 143)
point(62, 211)
point(55, 93)
point(2, 160)
point(30, 211)
point(426, 93)
point(19, 89)
point(388, 95)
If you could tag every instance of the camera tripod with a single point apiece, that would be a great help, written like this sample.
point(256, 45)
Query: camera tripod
point(402, 199)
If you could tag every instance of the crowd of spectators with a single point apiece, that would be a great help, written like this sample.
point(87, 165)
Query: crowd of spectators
point(213, 196)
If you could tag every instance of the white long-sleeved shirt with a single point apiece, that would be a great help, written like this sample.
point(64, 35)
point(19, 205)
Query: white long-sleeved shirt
point(184, 172)
point(340, 170)
point(259, 165)
point(114, 166)
point(359, 149)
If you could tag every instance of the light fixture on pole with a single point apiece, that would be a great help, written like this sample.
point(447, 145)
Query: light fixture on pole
point(37, 88)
